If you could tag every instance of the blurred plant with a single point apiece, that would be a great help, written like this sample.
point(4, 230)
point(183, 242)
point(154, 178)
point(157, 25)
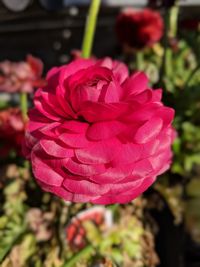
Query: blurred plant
point(192, 211)
point(126, 243)
point(40, 223)
point(75, 232)
point(21, 76)
point(12, 223)
point(12, 130)
point(173, 198)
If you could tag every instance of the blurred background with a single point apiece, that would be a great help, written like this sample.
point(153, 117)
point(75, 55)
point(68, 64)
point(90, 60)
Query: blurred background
point(160, 228)
point(51, 29)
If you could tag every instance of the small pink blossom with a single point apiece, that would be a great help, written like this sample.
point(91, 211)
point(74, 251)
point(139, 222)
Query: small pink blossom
point(21, 76)
point(97, 134)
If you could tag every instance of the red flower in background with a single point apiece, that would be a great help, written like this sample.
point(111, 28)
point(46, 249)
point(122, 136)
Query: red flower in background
point(21, 76)
point(12, 130)
point(138, 29)
point(97, 134)
point(76, 234)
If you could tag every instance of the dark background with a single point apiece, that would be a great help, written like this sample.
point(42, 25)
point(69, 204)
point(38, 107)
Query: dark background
point(50, 29)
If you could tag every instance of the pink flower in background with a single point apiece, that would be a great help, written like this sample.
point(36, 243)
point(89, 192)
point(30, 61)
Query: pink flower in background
point(138, 29)
point(12, 130)
point(21, 76)
point(97, 134)
point(76, 54)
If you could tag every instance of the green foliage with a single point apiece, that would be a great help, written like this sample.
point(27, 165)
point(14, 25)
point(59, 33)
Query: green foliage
point(12, 223)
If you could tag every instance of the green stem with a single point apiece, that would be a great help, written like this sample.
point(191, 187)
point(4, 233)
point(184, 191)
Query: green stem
point(174, 12)
point(90, 28)
point(192, 74)
point(165, 44)
point(168, 63)
point(24, 105)
point(82, 254)
point(139, 60)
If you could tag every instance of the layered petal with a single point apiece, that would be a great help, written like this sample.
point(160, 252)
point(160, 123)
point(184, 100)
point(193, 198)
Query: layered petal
point(97, 135)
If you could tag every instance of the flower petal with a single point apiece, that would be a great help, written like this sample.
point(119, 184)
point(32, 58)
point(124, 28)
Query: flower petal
point(93, 112)
point(53, 148)
point(136, 84)
point(85, 187)
point(99, 153)
point(44, 172)
point(127, 196)
point(75, 126)
point(148, 130)
point(129, 153)
point(105, 130)
point(83, 169)
point(75, 140)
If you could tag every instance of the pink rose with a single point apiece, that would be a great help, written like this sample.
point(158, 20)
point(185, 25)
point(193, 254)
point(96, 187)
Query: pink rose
point(97, 134)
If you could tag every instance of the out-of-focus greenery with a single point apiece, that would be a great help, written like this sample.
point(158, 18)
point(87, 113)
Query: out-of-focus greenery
point(33, 230)
point(174, 65)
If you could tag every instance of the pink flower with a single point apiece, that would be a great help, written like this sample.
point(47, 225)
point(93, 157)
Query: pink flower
point(76, 54)
point(138, 29)
point(97, 134)
point(12, 130)
point(21, 76)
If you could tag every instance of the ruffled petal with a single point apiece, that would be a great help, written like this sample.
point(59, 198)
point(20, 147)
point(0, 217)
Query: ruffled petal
point(149, 130)
point(156, 95)
point(93, 112)
point(129, 153)
point(43, 171)
point(85, 187)
point(75, 126)
point(75, 140)
point(105, 130)
point(99, 153)
point(65, 194)
point(119, 69)
point(127, 196)
point(83, 169)
point(136, 84)
point(53, 148)
point(111, 93)
point(45, 109)
point(113, 175)
point(73, 67)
